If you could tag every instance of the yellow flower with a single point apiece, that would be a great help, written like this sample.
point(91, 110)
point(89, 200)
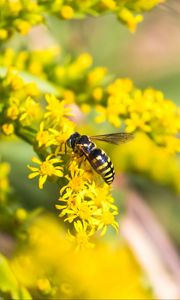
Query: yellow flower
point(124, 86)
point(137, 121)
point(15, 6)
point(84, 60)
point(97, 94)
point(56, 109)
point(16, 83)
point(43, 285)
point(85, 210)
point(67, 12)
point(109, 4)
point(60, 136)
point(46, 169)
point(21, 214)
point(96, 76)
point(44, 137)
point(30, 111)
point(12, 112)
point(3, 34)
point(110, 114)
point(31, 89)
point(23, 26)
point(82, 236)
point(8, 128)
point(107, 218)
point(69, 96)
point(128, 18)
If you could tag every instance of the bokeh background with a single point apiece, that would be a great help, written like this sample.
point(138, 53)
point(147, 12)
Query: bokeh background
point(150, 209)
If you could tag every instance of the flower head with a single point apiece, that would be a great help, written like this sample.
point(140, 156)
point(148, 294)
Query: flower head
point(46, 169)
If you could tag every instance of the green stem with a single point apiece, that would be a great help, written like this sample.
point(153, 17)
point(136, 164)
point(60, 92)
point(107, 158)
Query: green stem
point(26, 134)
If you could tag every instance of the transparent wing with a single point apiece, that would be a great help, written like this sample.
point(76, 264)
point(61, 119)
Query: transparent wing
point(114, 138)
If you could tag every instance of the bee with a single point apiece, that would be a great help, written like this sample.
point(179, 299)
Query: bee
point(82, 145)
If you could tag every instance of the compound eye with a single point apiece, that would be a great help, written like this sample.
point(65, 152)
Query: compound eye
point(69, 143)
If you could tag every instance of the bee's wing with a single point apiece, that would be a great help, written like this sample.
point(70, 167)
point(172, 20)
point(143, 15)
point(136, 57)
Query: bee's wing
point(114, 138)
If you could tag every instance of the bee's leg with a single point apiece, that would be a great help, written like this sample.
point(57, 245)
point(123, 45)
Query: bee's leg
point(65, 148)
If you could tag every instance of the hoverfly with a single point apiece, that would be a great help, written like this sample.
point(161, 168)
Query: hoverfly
point(99, 160)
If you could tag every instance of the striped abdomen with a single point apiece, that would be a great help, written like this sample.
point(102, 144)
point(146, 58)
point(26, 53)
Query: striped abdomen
point(102, 164)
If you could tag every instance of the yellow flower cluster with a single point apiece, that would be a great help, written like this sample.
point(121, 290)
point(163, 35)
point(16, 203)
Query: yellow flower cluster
point(149, 160)
point(86, 202)
point(18, 15)
point(148, 111)
point(18, 103)
point(119, 102)
point(21, 15)
point(86, 274)
point(45, 121)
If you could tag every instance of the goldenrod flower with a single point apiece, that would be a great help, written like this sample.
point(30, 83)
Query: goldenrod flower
point(43, 286)
point(44, 137)
point(82, 236)
point(77, 180)
point(107, 218)
point(30, 111)
point(46, 169)
point(67, 12)
point(128, 18)
point(109, 4)
point(3, 34)
point(56, 109)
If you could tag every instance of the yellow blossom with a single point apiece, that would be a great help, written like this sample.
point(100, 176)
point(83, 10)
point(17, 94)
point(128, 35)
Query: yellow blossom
point(3, 34)
point(107, 218)
point(137, 122)
point(84, 60)
point(97, 94)
point(82, 235)
point(46, 169)
point(67, 12)
point(43, 285)
point(21, 214)
point(8, 128)
point(30, 111)
point(14, 81)
point(61, 135)
point(131, 20)
point(96, 76)
point(22, 26)
point(32, 89)
point(110, 4)
point(69, 96)
point(56, 109)
point(12, 112)
point(15, 6)
point(44, 137)
point(76, 181)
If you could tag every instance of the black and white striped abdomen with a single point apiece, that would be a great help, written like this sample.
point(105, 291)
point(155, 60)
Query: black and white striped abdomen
point(102, 164)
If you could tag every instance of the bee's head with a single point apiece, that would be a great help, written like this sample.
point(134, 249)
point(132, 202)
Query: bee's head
point(71, 141)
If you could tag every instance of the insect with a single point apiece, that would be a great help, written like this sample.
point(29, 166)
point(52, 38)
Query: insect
point(99, 160)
